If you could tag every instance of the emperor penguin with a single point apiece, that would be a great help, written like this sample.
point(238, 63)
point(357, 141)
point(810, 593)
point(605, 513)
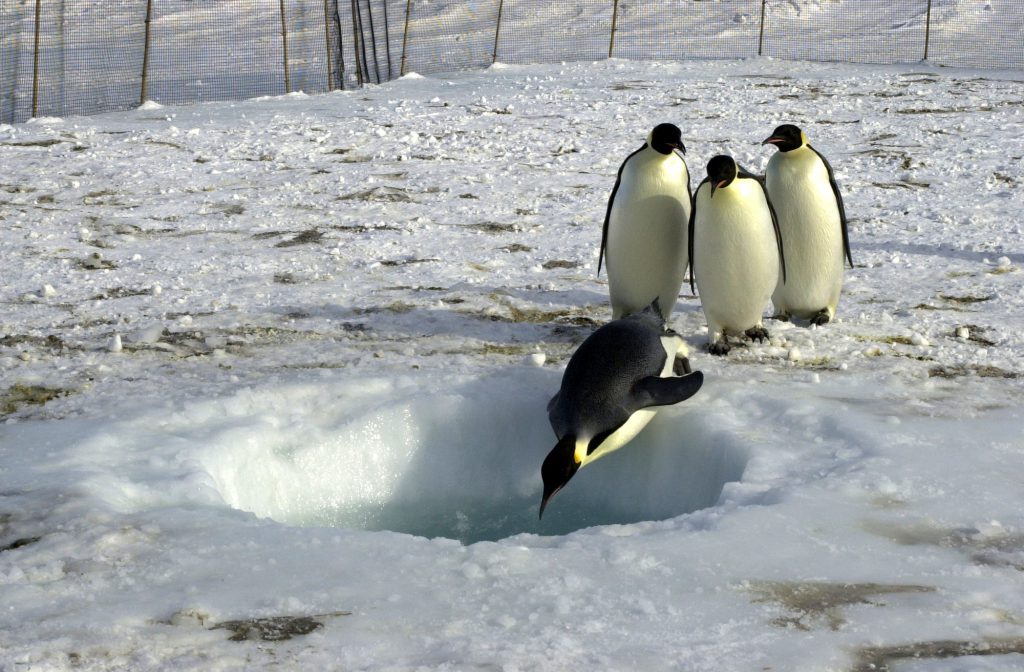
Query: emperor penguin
point(644, 234)
point(610, 390)
point(812, 220)
point(736, 252)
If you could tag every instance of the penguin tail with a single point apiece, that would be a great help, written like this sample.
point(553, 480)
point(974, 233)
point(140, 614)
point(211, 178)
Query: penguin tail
point(654, 308)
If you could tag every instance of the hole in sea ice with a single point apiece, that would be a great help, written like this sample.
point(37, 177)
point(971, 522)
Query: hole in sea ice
point(425, 457)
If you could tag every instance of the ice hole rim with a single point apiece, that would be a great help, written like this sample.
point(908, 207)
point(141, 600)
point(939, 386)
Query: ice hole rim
point(463, 462)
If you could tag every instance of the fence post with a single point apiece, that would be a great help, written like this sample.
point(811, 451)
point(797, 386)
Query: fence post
point(284, 43)
point(373, 39)
point(327, 45)
point(927, 29)
point(356, 41)
point(405, 37)
point(387, 37)
point(35, 66)
point(615, 19)
point(760, 37)
point(497, 32)
point(145, 55)
point(341, 46)
point(362, 39)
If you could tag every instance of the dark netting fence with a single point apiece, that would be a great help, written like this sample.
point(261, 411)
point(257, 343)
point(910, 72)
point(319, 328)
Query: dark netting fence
point(68, 57)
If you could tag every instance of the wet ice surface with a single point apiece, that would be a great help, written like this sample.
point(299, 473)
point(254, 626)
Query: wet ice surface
point(326, 309)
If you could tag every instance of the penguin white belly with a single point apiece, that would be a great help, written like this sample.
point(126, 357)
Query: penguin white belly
point(809, 220)
point(674, 346)
point(647, 231)
point(736, 256)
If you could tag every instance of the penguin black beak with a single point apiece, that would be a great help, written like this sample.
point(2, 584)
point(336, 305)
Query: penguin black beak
point(547, 497)
point(717, 185)
point(773, 140)
point(559, 467)
point(680, 146)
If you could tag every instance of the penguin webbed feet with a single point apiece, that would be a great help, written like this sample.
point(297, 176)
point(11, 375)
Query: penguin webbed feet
point(759, 334)
point(719, 348)
point(681, 366)
point(821, 317)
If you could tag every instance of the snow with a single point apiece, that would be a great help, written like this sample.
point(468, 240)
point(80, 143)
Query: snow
point(295, 354)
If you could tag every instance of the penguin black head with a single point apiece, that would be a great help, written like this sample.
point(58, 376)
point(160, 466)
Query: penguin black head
point(786, 137)
point(666, 137)
point(559, 466)
point(721, 172)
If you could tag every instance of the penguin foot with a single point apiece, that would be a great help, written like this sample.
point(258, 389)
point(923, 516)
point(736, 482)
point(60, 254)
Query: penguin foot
point(759, 334)
point(821, 317)
point(719, 348)
point(681, 366)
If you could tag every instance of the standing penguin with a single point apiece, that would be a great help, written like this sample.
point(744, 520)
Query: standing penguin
point(735, 252)
point(609, 390)
point(812, 219)
point(644, 235)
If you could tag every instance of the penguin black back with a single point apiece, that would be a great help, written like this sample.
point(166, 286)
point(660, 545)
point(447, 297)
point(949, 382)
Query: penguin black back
point(604, 369)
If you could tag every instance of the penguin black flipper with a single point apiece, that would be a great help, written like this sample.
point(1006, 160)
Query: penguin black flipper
point(691, 226)
point(778, 231)
point(598, 439)
point(839, 202)
point(552, 402)
point(689, 194)
point(655, 391)
point(608, 211)
point(771, 208)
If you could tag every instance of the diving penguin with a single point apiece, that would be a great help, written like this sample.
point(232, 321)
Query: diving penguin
point(644, 234)
point(812, 220)
point(735, 252)
point(610, 389)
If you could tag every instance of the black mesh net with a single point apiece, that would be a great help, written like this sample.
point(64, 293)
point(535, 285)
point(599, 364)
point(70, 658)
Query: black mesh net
point(680, 30)
point(100, 54)
point(202, 51)
point(450, 36)
point(16, 54)
point(828, 31)
point(977, 34)
point(539, 31)
point(68, 57)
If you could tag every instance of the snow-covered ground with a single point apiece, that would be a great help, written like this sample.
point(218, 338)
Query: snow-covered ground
point(289, 347)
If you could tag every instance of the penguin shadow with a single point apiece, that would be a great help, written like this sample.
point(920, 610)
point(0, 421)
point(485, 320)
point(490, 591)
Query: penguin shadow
point(940, 251)
point(513, 316)
point(474, 473)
